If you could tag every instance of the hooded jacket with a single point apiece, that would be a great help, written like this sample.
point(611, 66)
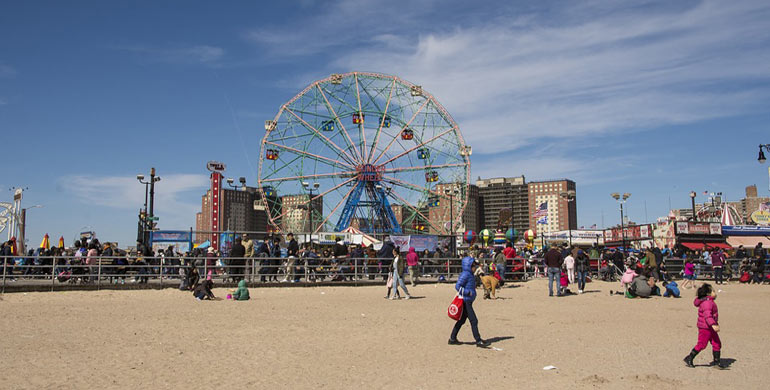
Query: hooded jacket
point(641, 288)
point(242, 293)
point(708, 314)
point(466, 281)
point(672, 289)
point(411, 258)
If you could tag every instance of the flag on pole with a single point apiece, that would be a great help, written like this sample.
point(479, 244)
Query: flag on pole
point(543, 221)
point(542, 210)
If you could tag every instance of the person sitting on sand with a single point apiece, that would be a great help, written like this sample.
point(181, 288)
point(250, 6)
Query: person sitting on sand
point(203, 291)
point(490, 284)
point(241, 293)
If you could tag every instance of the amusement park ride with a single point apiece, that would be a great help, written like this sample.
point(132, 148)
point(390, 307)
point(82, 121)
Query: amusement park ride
point(375, 144)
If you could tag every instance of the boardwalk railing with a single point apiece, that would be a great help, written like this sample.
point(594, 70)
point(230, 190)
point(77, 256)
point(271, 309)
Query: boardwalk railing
point(65, 272)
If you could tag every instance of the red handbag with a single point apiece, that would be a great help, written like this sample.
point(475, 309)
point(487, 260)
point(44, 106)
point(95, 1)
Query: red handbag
point(455, 310)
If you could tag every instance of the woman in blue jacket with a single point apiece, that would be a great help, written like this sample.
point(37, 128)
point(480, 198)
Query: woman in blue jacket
point(466, 286)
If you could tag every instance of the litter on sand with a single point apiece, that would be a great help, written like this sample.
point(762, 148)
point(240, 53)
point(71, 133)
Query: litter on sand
point(547, 368)
point(497, 349)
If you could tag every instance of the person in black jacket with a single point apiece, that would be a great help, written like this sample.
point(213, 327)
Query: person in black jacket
point(237, 261)
point(385, 256)
point(292, 251)
point(554, 261)
point(583, 268)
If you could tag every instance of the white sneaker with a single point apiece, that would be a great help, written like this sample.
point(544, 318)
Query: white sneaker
point(391, 298)
point(580, 291)
point(408, 297)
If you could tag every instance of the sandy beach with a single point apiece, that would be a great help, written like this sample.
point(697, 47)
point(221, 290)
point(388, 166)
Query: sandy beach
point(350, 337)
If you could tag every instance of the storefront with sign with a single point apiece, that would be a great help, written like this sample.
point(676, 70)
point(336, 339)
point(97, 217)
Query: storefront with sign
point(700, 235)
point(748, 236)
point(583, 238)
point(635, 236)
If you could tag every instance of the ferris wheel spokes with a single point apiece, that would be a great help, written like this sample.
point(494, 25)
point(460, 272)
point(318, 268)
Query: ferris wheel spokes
point(420, 168)
point(361, 131)
point(398, 134)
point(305, 203)
point(415, 209)
point(333, 163)
point(329, 142)
point(342, 126)
point(342, 200)
point(418, 146)
point(314, 176)
point(382, 122)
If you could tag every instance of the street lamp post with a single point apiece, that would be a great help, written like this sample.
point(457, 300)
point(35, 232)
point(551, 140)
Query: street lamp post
point(621, 201)
point(762, 158)
point(451, 194)
point(569, 196)
point(148, 186)
point(509, 192)
point(23, 228)
point(310, 189)
point(692, 198)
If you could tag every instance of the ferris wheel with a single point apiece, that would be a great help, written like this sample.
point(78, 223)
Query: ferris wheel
point(367, 150)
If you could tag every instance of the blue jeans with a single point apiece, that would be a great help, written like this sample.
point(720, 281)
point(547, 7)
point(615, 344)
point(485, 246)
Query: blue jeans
point(581, 279)
point(398, 281)
point(468, 313)
point(501, 271)
point(554, 274)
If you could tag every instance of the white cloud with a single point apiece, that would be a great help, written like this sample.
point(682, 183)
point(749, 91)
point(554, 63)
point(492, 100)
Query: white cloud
point(587, 69)
point(125, 193)
point(204, 54)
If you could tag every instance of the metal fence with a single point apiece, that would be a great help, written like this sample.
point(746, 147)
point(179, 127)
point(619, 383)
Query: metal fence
point(66, 272)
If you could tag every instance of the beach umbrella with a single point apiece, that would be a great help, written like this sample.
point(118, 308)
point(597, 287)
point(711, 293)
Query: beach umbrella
point(485, 235)
point(61, 242)
point(469, 236)
point(511, 234)
point(45, 244)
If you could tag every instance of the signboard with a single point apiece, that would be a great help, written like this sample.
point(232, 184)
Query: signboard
point(761, 217)
point(215, 166)
point(401, 242)
point(702, 228)
point(746, 230)
point(421, 243)
point(170, 236)
point(631, 233)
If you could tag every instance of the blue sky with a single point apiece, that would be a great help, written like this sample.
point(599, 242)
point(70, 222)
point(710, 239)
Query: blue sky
point(652, 98)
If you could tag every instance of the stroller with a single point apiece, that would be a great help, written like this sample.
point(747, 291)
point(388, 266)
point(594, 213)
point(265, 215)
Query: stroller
point(609, 272)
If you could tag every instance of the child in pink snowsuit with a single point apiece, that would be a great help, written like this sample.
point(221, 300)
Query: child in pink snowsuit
point(708, 326)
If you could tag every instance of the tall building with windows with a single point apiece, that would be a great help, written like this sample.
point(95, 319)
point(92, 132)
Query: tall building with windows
point(240, 210)
point(561, 214)
point(496, 194)
point(296, 216)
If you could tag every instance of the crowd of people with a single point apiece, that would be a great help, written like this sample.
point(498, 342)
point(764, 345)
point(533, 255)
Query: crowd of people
point(282, 259)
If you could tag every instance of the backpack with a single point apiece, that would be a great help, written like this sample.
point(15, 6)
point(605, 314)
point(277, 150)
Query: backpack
point(745, 277)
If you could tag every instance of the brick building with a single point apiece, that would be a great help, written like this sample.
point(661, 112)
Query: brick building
point(500, 193)
point(562, 214)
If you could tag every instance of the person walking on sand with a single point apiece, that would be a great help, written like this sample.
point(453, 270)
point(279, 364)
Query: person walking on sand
point(413, 262)
point(466, 287)
point(398, 271)
point(708, 326)
point(554, 261)
point(569, 264)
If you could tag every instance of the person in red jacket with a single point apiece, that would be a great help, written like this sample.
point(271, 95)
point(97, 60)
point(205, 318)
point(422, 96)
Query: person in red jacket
point(708, 326)
point(413, 263)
